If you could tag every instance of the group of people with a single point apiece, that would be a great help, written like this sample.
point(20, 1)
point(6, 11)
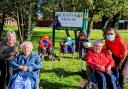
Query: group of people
point(18, 70)
point(110, 71)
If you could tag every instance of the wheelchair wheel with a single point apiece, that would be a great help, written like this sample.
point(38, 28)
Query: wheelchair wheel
point(90, 85)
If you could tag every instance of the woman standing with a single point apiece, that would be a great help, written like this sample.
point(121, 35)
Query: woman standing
point(8, 51)
point(117, 45)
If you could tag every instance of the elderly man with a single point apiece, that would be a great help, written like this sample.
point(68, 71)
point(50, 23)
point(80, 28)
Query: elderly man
point(26, 66)
point(8, 51)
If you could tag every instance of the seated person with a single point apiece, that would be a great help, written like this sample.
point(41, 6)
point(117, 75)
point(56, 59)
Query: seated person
point(102, 63)
point(46, 46)
point(67, 45)
point(26, 66)
point(82, 38)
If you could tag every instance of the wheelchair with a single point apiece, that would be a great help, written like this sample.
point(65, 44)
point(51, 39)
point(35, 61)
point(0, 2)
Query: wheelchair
point(89, 72)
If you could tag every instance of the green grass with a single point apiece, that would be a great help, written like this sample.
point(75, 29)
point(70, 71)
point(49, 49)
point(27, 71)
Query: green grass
point(6, 27)
point(63, 74)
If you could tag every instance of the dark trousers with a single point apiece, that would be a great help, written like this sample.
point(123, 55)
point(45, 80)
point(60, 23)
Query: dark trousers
point(46, 51)
point(5, 73)
point(104, 80)
point(123, 71)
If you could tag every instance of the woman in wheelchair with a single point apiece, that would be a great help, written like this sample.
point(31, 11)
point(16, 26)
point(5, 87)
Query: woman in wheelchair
point(26, 66)
point(102, 63)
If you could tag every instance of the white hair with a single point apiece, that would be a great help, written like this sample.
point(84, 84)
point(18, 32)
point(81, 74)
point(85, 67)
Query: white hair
point(97, 41)
point(28, 43)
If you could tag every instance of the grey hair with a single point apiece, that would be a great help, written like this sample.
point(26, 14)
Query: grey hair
point(96, 41)
point(11, 32)
point(27, 42)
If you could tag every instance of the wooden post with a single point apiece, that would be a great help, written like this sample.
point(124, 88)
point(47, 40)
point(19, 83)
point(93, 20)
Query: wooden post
point(53, 36)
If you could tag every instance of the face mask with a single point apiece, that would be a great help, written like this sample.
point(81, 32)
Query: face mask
point(111, 37)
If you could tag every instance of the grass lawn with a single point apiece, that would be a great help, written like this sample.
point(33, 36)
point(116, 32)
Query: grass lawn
point(65, 74)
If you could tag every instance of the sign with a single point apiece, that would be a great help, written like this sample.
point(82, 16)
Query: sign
point(70, 19)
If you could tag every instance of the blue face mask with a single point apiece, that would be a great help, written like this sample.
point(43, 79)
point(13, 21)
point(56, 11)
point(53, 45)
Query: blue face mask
point(111, 37)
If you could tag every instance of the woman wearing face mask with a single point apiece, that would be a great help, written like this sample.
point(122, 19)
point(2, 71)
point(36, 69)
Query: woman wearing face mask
point(117, 45)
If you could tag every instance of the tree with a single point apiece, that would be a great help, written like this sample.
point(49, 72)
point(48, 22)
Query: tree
point(3, 10)
point(25, 13)
point(110, 9)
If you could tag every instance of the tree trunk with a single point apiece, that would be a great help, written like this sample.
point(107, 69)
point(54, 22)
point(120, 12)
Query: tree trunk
point(114, 20)
point(72, 5)
point(61, 6)
point(3, 20)
point(19, 28)
point(105, 21)
point(2, 24)
point(90, 27)
point(29, 25)
point(62, 9)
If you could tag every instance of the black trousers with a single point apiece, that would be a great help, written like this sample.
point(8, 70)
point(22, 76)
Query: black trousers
point(5, 73)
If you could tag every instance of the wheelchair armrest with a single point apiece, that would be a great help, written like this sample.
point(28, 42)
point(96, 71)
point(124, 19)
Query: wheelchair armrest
point(91, 69)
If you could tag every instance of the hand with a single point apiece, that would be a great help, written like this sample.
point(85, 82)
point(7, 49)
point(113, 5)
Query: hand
point(25, 68)
point(108, 69)
point(102, 68)
point(21, 68)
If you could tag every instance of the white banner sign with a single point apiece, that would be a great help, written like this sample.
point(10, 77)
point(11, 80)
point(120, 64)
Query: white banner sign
point(70, 19)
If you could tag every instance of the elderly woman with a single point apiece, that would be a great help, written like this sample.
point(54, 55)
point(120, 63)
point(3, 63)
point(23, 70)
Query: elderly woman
point(119, 48)
point(26, 66)
point(102, 63)
point(8, 51)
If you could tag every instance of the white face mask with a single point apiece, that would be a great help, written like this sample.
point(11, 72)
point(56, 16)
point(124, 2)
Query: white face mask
point(111, 37)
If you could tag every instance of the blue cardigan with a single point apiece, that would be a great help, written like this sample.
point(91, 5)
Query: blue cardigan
point(33, 62)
